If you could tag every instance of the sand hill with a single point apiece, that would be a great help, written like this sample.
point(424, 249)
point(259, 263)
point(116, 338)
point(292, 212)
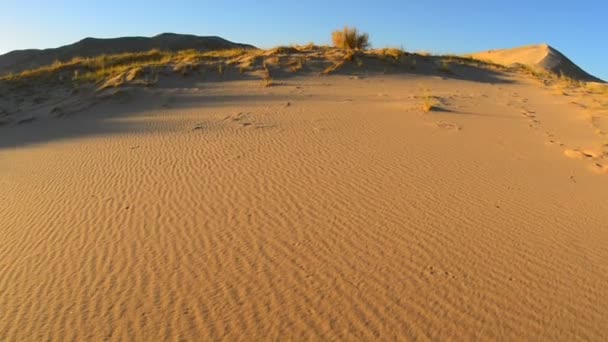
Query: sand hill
point(17, 61)
point(302, 194)
point(540, 57)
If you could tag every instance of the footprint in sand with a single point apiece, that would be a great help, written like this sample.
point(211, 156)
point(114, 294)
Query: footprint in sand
point(449, 126)
point(528, 113)
point(243, 119)
point(531, 115)
point(600, 168)
point(581, 154)
point(247, 120)
point(551, 139)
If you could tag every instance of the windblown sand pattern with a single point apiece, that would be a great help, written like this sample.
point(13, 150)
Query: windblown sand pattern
point(320, 209)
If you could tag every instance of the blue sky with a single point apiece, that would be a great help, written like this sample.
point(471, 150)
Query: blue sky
point(578, 29)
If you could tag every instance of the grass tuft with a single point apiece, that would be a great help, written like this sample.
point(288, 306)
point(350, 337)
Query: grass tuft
point(267, 80)
point(429, 103)
point(350, 39)
point(445, 67)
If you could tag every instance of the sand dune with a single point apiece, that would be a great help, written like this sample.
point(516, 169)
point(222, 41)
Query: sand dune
point(541, 57)
point(19, 60)
point(322, 208)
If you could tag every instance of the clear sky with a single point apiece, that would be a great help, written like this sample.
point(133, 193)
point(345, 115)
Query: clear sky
point(579, 29)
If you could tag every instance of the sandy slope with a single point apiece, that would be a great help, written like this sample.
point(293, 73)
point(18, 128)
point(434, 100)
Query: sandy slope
point(325, 208)
point(541, 57)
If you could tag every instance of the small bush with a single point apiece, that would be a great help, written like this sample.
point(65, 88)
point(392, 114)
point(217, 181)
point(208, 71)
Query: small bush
point(394, 53)
point(297, 65)
point(350, 39)
point(445, 67)
point(267, 81)
point(429, 103)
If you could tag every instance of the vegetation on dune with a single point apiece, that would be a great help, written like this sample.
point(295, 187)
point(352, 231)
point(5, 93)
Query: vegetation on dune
point(350, 39)
point(392, 52)
point(597, 88)
point(428, 104)
point(349, 54)
point(101, 67)
point(444, 67)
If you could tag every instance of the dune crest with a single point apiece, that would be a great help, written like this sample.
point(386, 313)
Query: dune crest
point(540, 57)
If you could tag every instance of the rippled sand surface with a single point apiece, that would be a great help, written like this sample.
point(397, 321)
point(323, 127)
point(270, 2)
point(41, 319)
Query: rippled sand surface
point(319, 209)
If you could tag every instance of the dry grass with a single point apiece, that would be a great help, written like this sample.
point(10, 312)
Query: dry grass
point(230, 53)
point(396, 54)
point(101, 69)
point(297, 65)
point(597, 88)
point(350, 39)
point(332, 68)
point(308, 47)
point(427, 105)
point(445, 67)
point(429, 102)
point(267, 81)
point(96, 69)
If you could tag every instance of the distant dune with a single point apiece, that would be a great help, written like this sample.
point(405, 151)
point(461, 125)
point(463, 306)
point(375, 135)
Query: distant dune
point(20, 60)
point(541, 57)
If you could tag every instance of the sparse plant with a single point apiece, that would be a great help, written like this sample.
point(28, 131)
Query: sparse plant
point(332, 68)
point(350, 39)
point(413, 64)
point(445, 67)
point(297, 65)
point(267, 80)
point(429, 103)
point(597, 88)
point(349, 55)
point(309, 46)
point(285, 50)
point(394, 53)
point(220, 69)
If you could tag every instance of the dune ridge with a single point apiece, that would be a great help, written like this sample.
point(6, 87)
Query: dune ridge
point(540, 57)
point(19, 60)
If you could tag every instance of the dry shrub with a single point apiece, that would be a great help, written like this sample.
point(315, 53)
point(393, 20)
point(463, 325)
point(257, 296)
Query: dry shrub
point(350, 39)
